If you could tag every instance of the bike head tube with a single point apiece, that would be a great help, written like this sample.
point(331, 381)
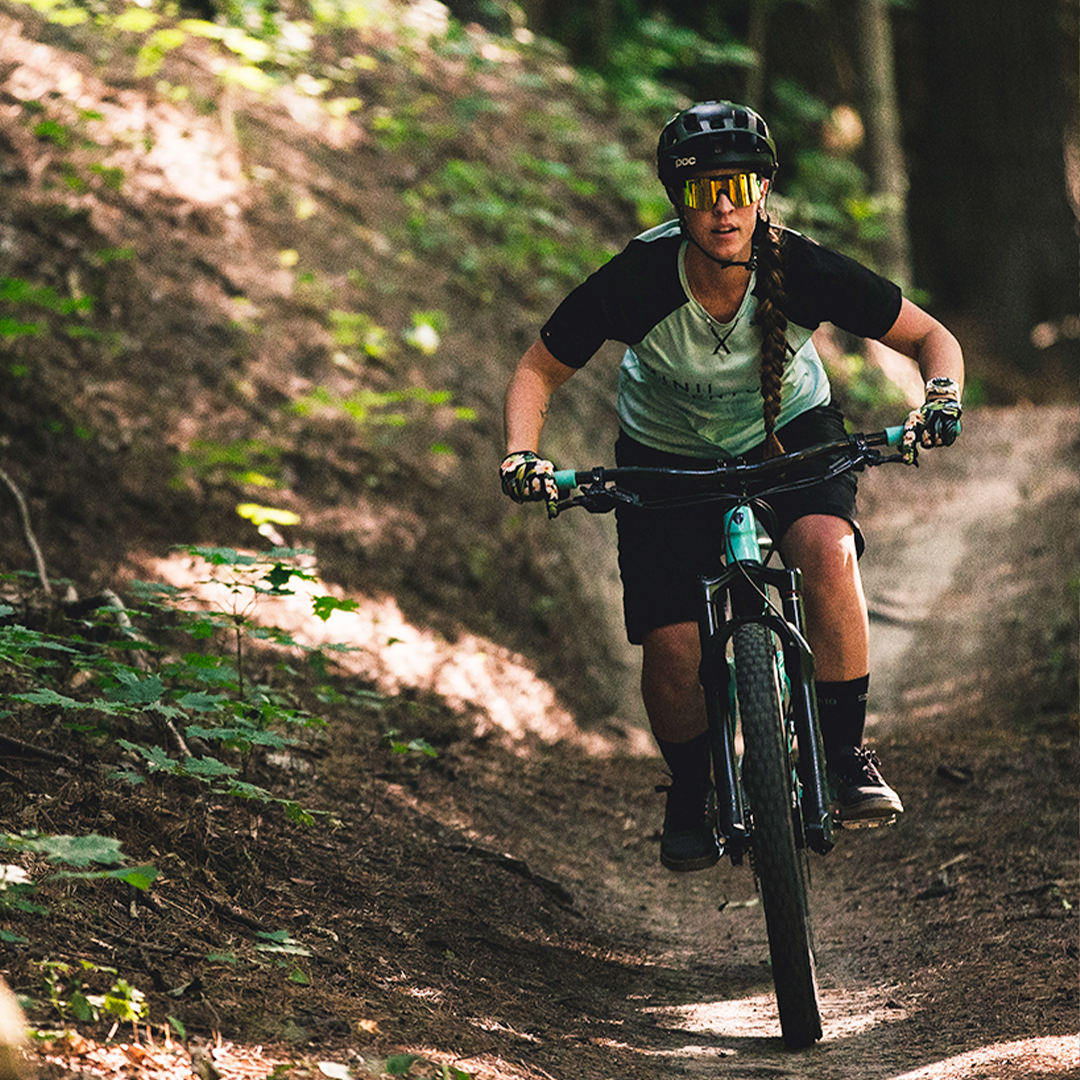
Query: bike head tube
point(740, 536)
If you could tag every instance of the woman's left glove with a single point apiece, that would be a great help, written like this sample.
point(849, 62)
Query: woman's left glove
point(527, 477)
point(937, 423)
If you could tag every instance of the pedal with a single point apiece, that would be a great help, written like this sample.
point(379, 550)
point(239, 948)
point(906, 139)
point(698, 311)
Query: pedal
point(862, 823)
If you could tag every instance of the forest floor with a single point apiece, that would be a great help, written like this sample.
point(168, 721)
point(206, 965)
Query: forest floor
point(500, 909)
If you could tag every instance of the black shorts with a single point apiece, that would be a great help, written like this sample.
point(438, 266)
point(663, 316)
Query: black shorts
point(663, 552)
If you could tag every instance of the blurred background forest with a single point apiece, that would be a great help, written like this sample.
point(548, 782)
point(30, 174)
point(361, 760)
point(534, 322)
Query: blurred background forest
point(946, 129)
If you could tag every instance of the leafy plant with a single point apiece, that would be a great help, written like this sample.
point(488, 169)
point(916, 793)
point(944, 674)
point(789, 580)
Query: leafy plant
point(17, 887)
point(413, 1065)
point(413, 746)
point(202, 696)
point(503, 225)
point(22, 293)
point(654, 55)
point(426, 331)
point(249, 462)
point(67, 993)
point(357, 330)
point(375, 408)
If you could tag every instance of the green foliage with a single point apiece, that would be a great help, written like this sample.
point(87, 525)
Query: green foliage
point(420, 1068)
point(17, 888)
point(413, 746)
point(54, 132)
point(405, 1064)
point(325, 606)
point(280, 941)
point(248, 462)
point(375, 408)
point(358, 330)
point(69, 994)
point(426, 331)
point(631, 180)
point(655, 55)
point(503, 226)
point(868, 397)
point(21, 293)
point(209, 695)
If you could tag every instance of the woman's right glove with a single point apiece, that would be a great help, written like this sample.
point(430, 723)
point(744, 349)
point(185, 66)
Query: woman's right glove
point(527, 477)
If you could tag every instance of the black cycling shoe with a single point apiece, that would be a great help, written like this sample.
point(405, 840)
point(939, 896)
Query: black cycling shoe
point(688, 841)
point(863, 797)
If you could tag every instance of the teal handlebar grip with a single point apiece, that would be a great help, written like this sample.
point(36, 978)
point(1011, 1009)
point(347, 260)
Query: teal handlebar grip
point(894, 435)
point(565, 479)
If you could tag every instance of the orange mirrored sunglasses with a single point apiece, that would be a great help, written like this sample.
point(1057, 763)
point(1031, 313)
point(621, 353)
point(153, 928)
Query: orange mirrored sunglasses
point(742, 189)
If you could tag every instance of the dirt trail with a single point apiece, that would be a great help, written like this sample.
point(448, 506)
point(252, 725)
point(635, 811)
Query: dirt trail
point(945, 945)
point(931, 577)
point(928, 960)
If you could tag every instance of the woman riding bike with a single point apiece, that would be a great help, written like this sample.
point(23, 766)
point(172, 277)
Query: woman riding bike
point(716, 309)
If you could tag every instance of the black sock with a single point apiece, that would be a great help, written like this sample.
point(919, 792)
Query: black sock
point(689, 762)
point(842, 713)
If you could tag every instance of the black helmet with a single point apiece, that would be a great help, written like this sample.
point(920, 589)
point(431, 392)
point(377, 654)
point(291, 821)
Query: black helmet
point(713, 134)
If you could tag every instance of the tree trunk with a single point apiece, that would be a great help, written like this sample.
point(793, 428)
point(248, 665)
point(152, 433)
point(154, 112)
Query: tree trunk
point(881, 115)
point(996, 234)
point(756, 37)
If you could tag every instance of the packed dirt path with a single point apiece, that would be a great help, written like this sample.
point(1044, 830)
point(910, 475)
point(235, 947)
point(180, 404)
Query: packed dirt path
point(947, 946)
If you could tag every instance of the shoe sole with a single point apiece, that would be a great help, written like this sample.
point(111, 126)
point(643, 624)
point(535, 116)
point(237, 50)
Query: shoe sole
point(864, 823)
point(684, 866)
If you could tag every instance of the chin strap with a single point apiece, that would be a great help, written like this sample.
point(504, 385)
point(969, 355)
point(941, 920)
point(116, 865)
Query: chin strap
point(750, 264)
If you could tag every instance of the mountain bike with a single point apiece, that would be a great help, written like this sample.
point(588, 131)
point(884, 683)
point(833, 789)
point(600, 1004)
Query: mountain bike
point(772, 802)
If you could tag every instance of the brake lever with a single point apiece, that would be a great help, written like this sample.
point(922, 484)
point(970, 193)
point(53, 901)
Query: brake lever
point(598, 499)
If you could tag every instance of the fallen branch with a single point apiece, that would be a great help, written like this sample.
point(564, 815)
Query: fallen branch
point(558, 892)
point(23, 749)
point(28, 532)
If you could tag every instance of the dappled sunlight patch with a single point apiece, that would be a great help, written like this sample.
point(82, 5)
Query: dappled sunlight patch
point(472, 675)
point(690, 1051)
point(844, 1013)
point(157, 146)
point(1054, 1055)
point(164, 1058)
point(748, 1017)
point(490, 1024)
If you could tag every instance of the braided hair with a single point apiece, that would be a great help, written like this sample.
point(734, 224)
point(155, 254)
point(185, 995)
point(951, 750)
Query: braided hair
point(772, 323)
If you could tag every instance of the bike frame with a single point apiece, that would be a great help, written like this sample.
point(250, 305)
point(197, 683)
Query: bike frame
point(735, 597)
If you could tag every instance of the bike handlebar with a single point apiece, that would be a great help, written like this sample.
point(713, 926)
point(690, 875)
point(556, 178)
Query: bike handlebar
point(725, 479)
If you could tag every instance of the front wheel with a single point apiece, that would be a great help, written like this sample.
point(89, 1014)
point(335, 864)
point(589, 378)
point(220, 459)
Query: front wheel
point(767, 779)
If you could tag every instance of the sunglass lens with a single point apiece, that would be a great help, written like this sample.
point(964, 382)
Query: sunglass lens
point(741, 189)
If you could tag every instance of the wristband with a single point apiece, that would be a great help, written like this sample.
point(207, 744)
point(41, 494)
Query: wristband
point(942, 387)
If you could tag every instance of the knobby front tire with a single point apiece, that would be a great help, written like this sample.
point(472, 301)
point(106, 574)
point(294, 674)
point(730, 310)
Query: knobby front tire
point(777, 859)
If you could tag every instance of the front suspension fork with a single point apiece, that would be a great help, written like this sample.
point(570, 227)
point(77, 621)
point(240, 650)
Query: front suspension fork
point(728, 601)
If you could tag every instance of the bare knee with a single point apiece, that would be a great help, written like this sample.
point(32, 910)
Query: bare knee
point(837, 626)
